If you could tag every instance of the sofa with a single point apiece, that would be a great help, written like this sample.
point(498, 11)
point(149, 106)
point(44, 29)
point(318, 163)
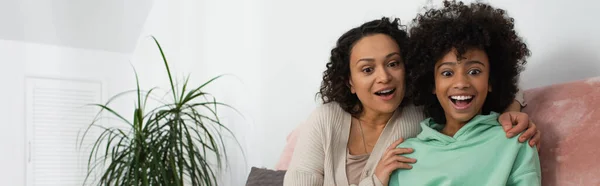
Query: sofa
point(568, 116)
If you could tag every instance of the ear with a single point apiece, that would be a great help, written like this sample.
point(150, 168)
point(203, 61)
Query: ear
point(433, 89)
point(351, 86)
point(489, 88)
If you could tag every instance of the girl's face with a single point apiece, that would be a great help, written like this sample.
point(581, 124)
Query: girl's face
point(461, 86)
point(377, 73)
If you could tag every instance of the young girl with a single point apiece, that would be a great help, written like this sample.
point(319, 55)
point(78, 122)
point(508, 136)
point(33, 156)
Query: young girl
point(466, 60)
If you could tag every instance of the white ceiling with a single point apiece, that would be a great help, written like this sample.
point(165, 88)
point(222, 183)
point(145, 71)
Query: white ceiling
point(110, 25)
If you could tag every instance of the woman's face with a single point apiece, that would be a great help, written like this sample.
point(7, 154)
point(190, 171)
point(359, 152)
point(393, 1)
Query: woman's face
point(461, 86)
point(377, 73)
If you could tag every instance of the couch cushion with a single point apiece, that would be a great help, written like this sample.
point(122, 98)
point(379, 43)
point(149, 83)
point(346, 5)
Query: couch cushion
point(568, 117)
point(265, 177)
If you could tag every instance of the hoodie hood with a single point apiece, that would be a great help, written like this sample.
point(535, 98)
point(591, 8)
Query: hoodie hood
point(431, 130)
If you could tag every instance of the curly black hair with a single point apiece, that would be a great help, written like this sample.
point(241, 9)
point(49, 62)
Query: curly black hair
point(463, 27)
point(335, 85)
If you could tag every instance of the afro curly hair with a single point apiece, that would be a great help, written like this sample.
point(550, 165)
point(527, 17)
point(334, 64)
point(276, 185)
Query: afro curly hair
point(335, 85)
point(436, 32)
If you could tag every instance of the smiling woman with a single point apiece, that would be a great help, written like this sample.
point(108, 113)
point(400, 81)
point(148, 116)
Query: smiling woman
point(363, 88)
point(376, 72)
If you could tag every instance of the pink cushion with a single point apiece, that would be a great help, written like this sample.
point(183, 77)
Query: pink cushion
point(288, 150)
point(568, 117)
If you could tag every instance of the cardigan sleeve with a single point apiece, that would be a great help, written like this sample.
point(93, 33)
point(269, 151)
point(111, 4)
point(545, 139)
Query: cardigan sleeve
point(307, 164)
point(519, 97)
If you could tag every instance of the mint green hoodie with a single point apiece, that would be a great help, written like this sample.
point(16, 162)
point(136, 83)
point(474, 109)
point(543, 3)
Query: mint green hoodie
point(479, 154)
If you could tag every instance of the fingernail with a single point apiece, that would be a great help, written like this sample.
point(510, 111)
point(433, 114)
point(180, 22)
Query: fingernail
point(510, 134)
point(522, 139)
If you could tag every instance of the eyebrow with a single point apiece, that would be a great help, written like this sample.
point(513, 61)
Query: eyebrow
point(372, 59)
point(466, 63)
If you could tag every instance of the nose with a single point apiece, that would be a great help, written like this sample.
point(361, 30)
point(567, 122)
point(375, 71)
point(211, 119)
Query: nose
point(384, 76)
point(461, 81)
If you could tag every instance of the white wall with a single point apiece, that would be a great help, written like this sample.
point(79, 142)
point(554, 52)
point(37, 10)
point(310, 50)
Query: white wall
point(12, 137)
point(561, 36)
point(111, 25)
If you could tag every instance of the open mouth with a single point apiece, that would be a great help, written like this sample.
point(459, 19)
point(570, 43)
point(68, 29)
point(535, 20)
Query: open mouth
point(462, 102)
point(386, 92)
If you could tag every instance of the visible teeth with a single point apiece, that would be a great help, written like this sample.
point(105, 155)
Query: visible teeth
point(461, 97)
point(385, 91)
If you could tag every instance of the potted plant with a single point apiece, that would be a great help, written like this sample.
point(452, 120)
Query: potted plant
point(178, 142)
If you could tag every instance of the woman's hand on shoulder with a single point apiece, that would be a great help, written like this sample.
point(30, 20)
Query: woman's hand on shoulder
point(514, 123)
point(392, 160)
